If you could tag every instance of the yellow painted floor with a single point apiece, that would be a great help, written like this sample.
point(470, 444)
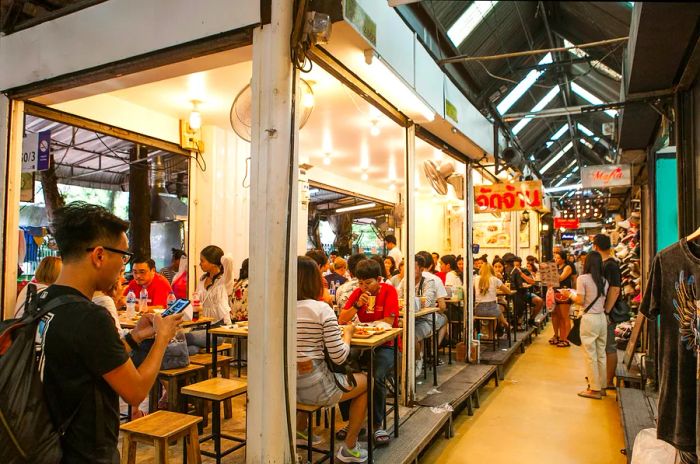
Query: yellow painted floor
point(535, 416)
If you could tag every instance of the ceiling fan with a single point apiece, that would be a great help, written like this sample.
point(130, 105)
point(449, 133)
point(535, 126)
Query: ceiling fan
point(241, 115)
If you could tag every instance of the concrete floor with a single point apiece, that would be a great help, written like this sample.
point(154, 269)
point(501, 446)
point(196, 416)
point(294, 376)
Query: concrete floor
point(535, 416)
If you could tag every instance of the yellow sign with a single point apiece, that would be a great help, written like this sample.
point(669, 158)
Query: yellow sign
point(511, 196)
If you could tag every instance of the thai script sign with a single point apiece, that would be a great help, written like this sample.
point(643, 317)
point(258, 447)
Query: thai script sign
point(566, 223)
point(607, 175)
point(512, 196)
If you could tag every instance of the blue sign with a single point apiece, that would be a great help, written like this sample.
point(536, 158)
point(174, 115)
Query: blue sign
point(475, 248)
point(568, 236)
point(44, 150)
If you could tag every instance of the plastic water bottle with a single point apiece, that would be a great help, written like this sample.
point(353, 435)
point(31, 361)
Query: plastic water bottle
point(143, 300)
point(131, 304)
point(171, 298)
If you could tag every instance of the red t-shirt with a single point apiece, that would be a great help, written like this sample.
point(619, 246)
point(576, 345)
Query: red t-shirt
point(386, 304)
point(442, 275)
point(180, 286)
point(158, 290)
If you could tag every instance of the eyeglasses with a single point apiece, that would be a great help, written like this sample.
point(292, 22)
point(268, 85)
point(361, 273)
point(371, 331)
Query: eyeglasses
point(126, 255)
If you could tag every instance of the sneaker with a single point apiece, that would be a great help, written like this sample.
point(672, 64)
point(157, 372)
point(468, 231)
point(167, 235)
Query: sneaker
point(357, 454)
point(419, 367)
point(302, 438)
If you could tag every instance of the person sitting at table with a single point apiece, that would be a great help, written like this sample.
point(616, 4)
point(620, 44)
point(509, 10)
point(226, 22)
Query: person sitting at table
point(337, 276)
point(449, 267)
point(498, 269)
point(239, 298)
point(440, 290)
point(424, 324)
point(522, 282)
point(396, 280)
point(375, 301)
point(169, 271)
point(145, 276)
point(321, 259)
point(318, 333)
point(478, 261)
point(212, 295)
point(385, 277)
point(390, 269)
point(113, 299)
point(343, 292)
point(486, 289)
point(180, 280)
point(533, 270)
point(460, 267)
point(331, 262)
point(46, 273)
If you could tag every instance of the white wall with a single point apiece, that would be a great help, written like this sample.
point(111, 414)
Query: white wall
point(112, 31)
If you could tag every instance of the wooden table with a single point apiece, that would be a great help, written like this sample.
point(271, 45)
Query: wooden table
point(223, 331)
point(425, 312)
point(370, 344)
point(128, 323)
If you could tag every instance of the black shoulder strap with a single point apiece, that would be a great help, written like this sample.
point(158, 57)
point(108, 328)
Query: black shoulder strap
point(420, 286)
point(55, 303)
point(592, 303)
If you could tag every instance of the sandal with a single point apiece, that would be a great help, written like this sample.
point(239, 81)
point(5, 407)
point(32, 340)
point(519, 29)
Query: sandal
point(343, 433)
point(590, 394)
point(563, 344)
point(381, 438)
point(554, 340)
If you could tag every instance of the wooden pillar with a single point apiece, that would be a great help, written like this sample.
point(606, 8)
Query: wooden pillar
point(271, 409)
point(139, 202)
point(49, 184)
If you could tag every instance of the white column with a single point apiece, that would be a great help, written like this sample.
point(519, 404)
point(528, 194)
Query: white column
point(408, 243)
point(273, 231)
point(468, 278)
point(11, 111)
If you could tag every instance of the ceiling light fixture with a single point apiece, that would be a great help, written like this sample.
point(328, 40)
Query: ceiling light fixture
point(355, 208)
point(364, 174)
point(396, 89)
point(327, 158)
point(374, 128)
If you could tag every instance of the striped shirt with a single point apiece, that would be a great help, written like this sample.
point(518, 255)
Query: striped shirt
point(317, 326)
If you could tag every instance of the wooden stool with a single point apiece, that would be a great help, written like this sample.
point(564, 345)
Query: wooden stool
point(492, 323)
point(309, 410)
point(173, 379)
point(223, 348)
point(223, 363)
point(158, 429)
point(217, 390)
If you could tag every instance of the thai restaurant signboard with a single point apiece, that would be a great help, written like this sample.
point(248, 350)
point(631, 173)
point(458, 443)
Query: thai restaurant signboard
point(606, 175)
point(511, 196)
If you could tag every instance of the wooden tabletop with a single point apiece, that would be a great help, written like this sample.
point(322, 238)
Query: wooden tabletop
point(453, 300)
point(128, 323)
point(422, 312)
point(217, 388)
point(225, 331)
point(376, 340)
point(511, 293)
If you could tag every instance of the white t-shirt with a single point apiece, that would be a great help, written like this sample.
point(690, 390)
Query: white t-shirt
point(439, 286)
point(215, 301)
point(396, 254)
point(452, 280)
point(586, 287)
point(490, 295)
point(107, 302)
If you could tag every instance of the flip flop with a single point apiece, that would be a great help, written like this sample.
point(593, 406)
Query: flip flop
point(381, 438)
point(554, 340)
point(563, 344)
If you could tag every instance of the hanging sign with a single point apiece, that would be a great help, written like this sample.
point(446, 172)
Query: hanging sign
point(511, 196)
point(608, 175)
point(568, 236)
point(560, 223)
point(35, 151)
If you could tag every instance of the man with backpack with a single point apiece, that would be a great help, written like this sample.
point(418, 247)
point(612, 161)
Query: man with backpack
point(84, 365)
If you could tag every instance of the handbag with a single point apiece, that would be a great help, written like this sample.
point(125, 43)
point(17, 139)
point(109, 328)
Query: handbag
point(350, 365)
point(620, 312)
point(575, 332)
point(176, 354)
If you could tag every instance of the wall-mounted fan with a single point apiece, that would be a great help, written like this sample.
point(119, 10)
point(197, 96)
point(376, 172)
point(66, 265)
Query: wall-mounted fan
point(440, 175)
point(242, 109)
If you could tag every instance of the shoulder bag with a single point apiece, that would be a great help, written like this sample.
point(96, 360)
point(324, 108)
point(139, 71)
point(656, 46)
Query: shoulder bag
point(575, 332)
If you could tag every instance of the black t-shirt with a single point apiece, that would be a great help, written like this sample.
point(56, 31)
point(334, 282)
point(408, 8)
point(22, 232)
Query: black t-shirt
point(517, 282)
point(611, 273)
point(569, 281)
point(337, 278)
point(81, 344)
point(670, 294)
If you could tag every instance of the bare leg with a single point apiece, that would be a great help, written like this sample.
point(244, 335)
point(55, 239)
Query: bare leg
point(610, 366)
point(358, 409)
point(564, 321)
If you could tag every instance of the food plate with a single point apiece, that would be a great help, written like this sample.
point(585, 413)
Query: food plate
point(362, 334)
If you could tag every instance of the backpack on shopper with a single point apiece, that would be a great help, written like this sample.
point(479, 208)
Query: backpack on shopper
point(27, 434)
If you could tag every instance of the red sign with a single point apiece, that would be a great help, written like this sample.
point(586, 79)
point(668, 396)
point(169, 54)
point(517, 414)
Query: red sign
point(566, 223)
point(512, 196)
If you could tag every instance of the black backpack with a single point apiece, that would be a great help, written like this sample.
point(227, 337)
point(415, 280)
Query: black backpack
point(27, 434)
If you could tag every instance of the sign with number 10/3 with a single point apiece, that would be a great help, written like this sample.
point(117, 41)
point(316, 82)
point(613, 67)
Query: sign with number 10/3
point(36, 149)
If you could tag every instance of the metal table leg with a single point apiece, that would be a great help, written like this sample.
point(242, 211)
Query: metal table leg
point(238, 354)
point(207, 326)
point(214, 353)
point(396, 387)
point(435, 352)
point(370, 407)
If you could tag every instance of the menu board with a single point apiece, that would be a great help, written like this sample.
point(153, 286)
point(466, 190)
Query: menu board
point(492, 234)
point(549, 275)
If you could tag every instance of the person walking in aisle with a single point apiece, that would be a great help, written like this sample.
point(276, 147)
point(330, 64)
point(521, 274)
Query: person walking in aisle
point(611, 272)
point(591, 289)
point(560, 316)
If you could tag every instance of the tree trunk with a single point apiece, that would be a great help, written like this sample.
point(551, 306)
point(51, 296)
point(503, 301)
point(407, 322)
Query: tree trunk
point(49, 184)
point(139, 203)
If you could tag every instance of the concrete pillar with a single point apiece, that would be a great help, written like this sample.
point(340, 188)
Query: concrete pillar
point(273, 246)
point(408, 244)
point(468, 278)
point(11, 133)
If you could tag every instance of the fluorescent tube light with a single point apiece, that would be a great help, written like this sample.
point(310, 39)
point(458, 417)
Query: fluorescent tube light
point(556, 157)
point(523, 86)
point(396, 90)
point(560, 132)
point(355, 208)
point(590, 98)
point(563, 188)
point(468, 21)
point(538, 107)
point(584, 129)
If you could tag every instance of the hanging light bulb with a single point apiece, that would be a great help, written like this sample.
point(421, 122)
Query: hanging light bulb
point(374, 128)
point(392, 187)
point(327, 158)
point(364, 174)
point(195, 119)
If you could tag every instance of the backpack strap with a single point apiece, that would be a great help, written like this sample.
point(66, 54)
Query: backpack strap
point(53, 304)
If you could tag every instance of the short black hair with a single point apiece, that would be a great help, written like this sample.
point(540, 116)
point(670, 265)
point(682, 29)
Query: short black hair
point(145, 259)
point(420, 261)
point(368, 269)
point(318, 255)
point(79, 226)
point(390, 239)
point(508, 258)
point(451, 260)
point(177, 254)
point(333, 252)
point(602, 241)
point(428, 258)
point(518, 259)
point(353, 261)
point(435, 253)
